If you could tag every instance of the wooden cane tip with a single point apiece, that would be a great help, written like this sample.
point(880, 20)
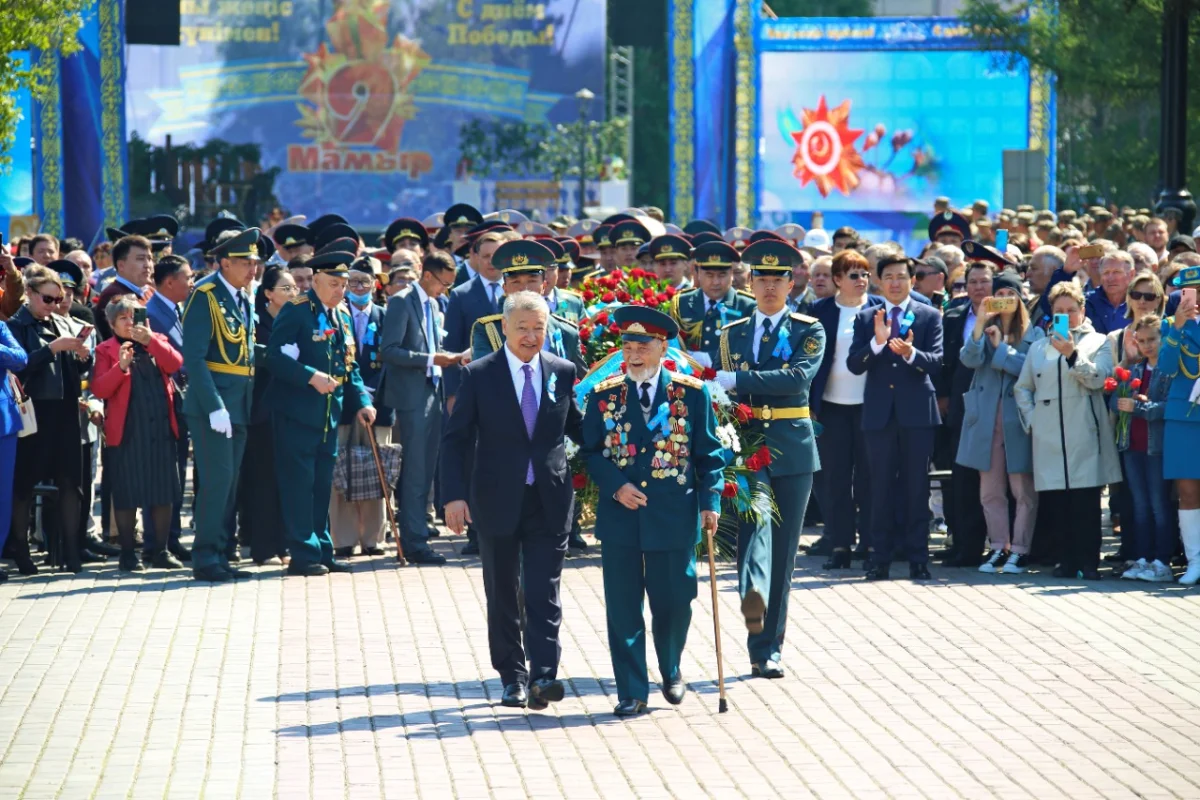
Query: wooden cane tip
point(722, 706)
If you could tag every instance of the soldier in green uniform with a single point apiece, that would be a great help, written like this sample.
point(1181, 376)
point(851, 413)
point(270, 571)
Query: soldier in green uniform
point(705, 309)
point(522, 263)
point(563, 303)
point(769, 359)
point(313, 371)
point(651, 446)
point(627, 237)
point(218, 354)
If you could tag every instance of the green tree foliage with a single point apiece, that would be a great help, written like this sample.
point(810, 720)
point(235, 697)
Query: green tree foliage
point(48, 25)
point(1107, 55)
point(492, 149)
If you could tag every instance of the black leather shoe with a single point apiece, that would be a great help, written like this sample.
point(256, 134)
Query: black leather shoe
point(86, 556)
point(343, 552)
point(514, 696)
point(25, 565)
point(879, 572)
point(130, 562)
point(576, 542)
point(338, 566)
point(3, 575)
point(307, 570)
point(821, 547)
point(239, 574)
point(1063, 572)
point(165, 560)
point(754, 610)
point(99, 547)
point(213, 573)
point(630, 708)
point(180, 552)
point(544, 691)
point(1089, 574)
point(372, 551)
point(427, 557)
point(840, 559)
point(767, 669)
point(674, 689)
point(919, 571)
point(470, 549)
point(433, 531)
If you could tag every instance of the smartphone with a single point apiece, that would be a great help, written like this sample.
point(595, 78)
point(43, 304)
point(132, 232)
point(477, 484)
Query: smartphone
point(1002, 241)
point(938, 299)
point(86, 332)
point(1188, 293)
point(139, 316)
point(1062, 325)
point(999, 305)
point(1091, 251)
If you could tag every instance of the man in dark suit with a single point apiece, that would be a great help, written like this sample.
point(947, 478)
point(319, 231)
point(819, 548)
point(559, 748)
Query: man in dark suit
point(414, 355)
point(964, 512)
point(172, 285)
point(132, 256)
point(899, 348)
point(515, 406)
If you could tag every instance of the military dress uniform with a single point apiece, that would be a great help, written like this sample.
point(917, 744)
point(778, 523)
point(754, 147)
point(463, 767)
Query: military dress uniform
point(770, 363)
point(701, 319)
point(1179, 359)
point(565, 304)
point(308, 338)
point(219, 356)
point(666, 446)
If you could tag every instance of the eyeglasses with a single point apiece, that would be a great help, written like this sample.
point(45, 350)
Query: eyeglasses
point(1144, 296)
point(49, 300)
point(445, 285)
point(857, 276)
point(287, 288)
point(361, 282)
point(923, 275)
point(958, 285)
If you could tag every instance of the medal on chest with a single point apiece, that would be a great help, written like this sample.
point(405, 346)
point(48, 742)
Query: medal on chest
point(617, 447)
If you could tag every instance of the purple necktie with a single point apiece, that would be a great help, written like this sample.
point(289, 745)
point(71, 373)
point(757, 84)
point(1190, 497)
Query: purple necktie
point(896, 322)
point(529, 412)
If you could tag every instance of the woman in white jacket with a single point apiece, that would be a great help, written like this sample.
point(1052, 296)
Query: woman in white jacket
point(1060, 395)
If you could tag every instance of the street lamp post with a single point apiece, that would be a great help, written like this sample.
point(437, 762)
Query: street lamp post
point(1174, 98)
point(585, 97)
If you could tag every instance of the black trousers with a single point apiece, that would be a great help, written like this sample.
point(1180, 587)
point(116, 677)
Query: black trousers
point(150, 536)
point(260, 515)
point(899, 463)
point(844, 492)
point(52, 455)
point(1076, 520)
point(533, 558)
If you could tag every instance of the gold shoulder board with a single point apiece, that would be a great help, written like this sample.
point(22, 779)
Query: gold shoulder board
point(686, 380)
point(489, 318)
point(729, 325)
point(803, 318)
point(608, 383)
point(564, 321)
point(744, 293)
point(299, 301)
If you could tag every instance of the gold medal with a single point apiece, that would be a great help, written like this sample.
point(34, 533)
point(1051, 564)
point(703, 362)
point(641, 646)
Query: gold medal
point(745, 367)
point(682, 480)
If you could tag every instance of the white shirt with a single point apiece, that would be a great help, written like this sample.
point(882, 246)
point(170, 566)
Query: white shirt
point(843, 386)
point(759, 318)
point(651, 390)
point(517, 368)
point(427, 302)
point(888, 305)
point(494, 290)
point(237, 295)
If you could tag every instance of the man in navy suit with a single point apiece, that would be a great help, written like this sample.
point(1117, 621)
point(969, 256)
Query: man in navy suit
point(899, 348)
point(172, 285)
point(514, 408)
point(482, 296)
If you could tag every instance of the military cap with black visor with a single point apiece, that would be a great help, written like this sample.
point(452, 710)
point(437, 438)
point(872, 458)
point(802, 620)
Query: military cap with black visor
point(978, 251)
point(629, 232)
point(949, 224)
point(522, 256)
point(338, 230)
point(405, 228)
point(243, 245)
point(670, 246)
point(69, 273)
point(462, 215)
point(770, 257)
point(292, 235)
point(644, 324)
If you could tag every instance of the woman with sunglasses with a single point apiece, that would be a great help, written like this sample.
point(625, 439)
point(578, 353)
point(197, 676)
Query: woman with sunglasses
point(59, 359)
point(836, 400)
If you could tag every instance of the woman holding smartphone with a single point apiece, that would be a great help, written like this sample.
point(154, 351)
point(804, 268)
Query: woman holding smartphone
point(1179, 359)
point(993, 439)
point(1060, 394)
point(133, 378)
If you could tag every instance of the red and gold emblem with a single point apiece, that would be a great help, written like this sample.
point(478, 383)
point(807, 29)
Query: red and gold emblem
point(825, 151)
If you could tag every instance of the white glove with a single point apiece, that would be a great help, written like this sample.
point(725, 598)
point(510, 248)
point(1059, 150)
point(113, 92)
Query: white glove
point(291, 351)
point(727, 380)
point(219, 422)
point(700, 357)
point(1194, 395)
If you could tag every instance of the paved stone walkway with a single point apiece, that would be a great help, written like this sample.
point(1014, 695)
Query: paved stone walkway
point(377, 684)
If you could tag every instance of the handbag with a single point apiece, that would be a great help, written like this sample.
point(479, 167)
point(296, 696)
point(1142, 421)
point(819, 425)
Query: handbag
point(355, 473)
point(24, 407)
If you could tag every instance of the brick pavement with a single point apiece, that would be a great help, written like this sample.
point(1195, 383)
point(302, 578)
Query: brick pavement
point(377, 684)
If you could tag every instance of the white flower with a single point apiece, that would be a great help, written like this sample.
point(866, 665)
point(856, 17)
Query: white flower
point(727, 434)
point(719, 395)
point(572, 449)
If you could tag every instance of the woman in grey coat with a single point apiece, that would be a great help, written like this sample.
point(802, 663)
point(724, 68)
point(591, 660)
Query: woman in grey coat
point(1061, 398)
point(993, 440)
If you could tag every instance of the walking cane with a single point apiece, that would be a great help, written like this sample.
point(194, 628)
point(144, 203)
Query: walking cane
point(387, 500)
point(723, 705)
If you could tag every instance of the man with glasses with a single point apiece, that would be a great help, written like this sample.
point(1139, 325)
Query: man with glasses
point(930, 278)
point(414, 355)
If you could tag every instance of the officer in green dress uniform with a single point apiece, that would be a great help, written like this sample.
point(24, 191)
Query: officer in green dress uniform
point(651, 446)
point(769, 358)
point(627, 237)
point(313, 370)
point(218, 354)
point(563, 303)
point(705, 309)
point(522, 263)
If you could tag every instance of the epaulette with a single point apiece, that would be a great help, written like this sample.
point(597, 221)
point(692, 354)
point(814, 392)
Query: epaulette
point(565, 321)
point(744, 293)
point(205, 287)
point(489, 318)
point(688, 290)
point(803, 318)
point(729, 325)
point(574, 294)
point(299, 301)
point(608, 383)
point(686, 380)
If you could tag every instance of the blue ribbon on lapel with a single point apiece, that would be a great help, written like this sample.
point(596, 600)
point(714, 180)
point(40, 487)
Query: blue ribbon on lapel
point(661, 420)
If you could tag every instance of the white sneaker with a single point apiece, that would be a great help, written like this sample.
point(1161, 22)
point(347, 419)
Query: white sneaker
point(992, 563)
point(1157, 572)
point(1135, 570)
point(1015, 564)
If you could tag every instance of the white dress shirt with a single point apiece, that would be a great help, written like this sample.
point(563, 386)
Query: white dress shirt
point(651, 390)
point(516, 367)
point(427, 303)
point(238, 297)
point(494, 290)
point(876, 347)
point(759, 318)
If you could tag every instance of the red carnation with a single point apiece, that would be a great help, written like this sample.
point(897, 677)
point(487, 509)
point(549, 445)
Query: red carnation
point(329, 331)
point(602, 318)
point(608, 297)
point(1122, 374)
point(760, 459)
point(730, 489)
point(664, 298)
point(616, 275)
point(1135, 384)
point(743, 413)
point(1110, 384)
point(584, 334)
point(670, 365)
point(669, 291)
point(637, 272)
point(614, 329)
point(589, 295)
point(708, 374)
point(578, 481)
point(652, 302)
point(623, 295)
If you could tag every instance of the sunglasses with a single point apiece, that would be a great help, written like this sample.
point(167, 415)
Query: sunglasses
point(958, 285)
point(923, 275)
point(50, 300)
point(857, 276)
point(1144, 296)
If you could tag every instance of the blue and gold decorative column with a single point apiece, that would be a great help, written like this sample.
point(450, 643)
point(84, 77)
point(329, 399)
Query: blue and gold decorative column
point(48, 161)
point(682, 109)
point(745, 114)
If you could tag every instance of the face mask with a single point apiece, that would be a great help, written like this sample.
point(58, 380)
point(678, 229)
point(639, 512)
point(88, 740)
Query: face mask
point(359, 299)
